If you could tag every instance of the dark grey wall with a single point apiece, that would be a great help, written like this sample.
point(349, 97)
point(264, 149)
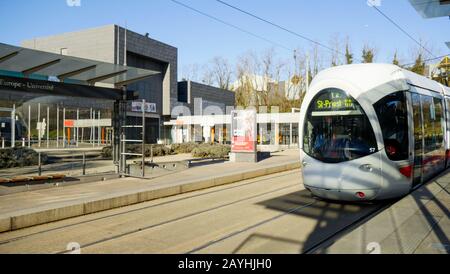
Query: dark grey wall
point(160, 53)
point(150, 89)
point(212, 95)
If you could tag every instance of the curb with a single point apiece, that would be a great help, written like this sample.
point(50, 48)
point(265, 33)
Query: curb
point(56, 214)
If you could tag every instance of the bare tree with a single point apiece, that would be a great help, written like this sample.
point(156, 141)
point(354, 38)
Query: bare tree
point(221, 72)
point(208, 76)
point(335, 45)
point(190, 72)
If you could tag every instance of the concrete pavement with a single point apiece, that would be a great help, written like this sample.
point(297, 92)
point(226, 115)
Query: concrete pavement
point(418, 223)
point(27, 209)
point(269, 214)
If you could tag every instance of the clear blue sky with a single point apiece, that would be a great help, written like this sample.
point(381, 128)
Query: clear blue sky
point(199, 39)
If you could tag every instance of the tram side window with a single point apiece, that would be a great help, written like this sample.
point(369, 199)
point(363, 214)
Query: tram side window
point(433, 123)
point(393, 118)
point(439, 123)
point(447, 102)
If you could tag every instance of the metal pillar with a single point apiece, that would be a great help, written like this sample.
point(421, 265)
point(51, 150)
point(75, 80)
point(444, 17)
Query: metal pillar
point(64, 127)
point(99, 133)
point(90, 135)
point(93, 128)
point(78, 129)
point(29, 126)
point(48, 126)
point(143, 139)
point(40, 127)
point(57, 126)
point(290, 135)
point(13, 126)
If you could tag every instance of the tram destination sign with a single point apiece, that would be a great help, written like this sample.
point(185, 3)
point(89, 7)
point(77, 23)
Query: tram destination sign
point(334, 101)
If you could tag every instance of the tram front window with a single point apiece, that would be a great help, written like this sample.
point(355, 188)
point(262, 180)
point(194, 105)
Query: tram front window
point(337, 129)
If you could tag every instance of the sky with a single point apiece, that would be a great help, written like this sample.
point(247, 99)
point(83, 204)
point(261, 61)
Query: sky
point(199, 39)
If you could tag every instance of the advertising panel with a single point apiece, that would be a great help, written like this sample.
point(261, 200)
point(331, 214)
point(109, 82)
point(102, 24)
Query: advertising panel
point(243, 126)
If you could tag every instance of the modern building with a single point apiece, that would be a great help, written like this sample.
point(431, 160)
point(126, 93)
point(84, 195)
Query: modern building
point(274, 130)
point(117, 45)
point(202, 99)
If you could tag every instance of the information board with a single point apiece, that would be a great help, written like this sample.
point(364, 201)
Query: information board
point(243, 126)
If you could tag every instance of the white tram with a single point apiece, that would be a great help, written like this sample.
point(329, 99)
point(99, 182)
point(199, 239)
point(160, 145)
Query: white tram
point(373, 131)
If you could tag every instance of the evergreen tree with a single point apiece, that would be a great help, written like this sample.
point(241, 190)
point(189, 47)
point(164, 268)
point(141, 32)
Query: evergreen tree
point(419, 65)
point(348, 55)
point(395, 61)
point(368, 55)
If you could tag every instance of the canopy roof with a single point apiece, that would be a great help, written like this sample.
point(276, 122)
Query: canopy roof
point(29, 63)
point(431, 8)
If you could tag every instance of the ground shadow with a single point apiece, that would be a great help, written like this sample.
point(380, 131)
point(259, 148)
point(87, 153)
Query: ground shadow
point(330, 216)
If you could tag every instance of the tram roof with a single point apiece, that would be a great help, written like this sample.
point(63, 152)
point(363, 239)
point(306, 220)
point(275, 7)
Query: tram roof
point(30, 63)
point(369, 77)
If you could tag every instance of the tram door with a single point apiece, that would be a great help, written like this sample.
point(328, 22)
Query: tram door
point(418, 139)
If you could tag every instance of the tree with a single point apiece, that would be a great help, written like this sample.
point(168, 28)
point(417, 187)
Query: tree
point(190, 72)
point(218, 72)
point(395, 61)
point(419, 65)
point(348, 54)
point(335, 45)
point(368, 54)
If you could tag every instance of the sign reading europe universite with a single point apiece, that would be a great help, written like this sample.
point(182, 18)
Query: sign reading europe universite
point(243, 127)
point(11, 83)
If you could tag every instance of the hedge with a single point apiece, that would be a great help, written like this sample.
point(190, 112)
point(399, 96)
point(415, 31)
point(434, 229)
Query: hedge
point(197, 150)
point(211, 151)
point(20, 157)
point(158, 150)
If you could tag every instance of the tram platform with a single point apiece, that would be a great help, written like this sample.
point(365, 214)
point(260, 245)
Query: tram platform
point(417, 224)
point(26, 209)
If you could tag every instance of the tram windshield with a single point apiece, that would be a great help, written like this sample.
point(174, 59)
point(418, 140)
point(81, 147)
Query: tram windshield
point(337, 129)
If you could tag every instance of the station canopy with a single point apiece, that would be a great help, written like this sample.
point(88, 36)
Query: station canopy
point(37, 64)
point(432, 8)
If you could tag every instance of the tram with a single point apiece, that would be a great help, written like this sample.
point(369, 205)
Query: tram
point(373, 132)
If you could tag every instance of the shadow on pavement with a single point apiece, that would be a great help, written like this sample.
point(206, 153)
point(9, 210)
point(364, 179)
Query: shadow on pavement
point(329, 216)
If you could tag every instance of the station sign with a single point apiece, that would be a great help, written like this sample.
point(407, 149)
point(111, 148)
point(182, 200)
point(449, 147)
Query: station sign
point(243, 128)
point(137, 106)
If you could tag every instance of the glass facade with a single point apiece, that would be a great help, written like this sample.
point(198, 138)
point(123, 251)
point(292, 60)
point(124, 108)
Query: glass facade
point(39, 119)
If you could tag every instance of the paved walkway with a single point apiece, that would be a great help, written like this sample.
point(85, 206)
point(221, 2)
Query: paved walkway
point(419, 223)
point(86, 198)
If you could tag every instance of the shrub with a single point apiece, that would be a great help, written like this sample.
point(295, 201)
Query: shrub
point(158, 150)
point(20, 157)
point(211, 151)
point(107, 152)
point(183, 148)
